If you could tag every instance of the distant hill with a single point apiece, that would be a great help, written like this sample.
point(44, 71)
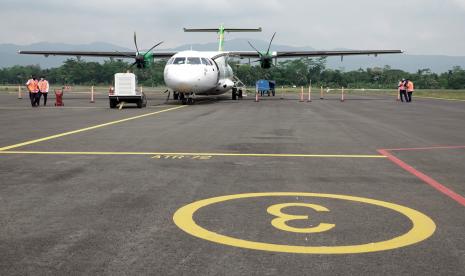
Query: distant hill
point(9, 56)
point(406, 62)
point(240, 45)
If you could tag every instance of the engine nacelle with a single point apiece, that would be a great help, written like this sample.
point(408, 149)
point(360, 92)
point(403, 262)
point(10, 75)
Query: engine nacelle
point(266, 62)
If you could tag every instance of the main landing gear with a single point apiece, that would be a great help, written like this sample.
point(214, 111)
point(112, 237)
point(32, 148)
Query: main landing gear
point(185, 99)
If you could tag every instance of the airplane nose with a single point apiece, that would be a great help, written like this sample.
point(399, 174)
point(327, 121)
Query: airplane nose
point(183, 78)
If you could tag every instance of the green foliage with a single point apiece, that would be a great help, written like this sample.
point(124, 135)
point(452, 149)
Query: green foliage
point(288, 72)
point(300, 71)
point(78, 72)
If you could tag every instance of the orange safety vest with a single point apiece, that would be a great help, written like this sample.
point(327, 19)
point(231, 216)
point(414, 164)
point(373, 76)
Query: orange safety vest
point(43, 86)
point(410, 86)
point(33, 86)
point(401, 85)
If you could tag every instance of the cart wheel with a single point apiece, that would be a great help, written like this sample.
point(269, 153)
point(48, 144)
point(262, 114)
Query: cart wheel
point(112, 103)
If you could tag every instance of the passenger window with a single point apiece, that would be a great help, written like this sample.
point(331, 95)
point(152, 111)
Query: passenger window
point(193, 60)
point(180, 60)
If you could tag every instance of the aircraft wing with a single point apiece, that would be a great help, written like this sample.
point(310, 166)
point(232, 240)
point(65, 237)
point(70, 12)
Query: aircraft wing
point(114, 54)
point(291, 54)
point(334, 53)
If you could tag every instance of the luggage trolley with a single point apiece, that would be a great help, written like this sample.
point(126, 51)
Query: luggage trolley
point(59, 97)
point(266, 86)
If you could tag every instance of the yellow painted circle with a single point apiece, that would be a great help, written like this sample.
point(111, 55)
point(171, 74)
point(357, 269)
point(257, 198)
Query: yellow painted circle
point(423, 227)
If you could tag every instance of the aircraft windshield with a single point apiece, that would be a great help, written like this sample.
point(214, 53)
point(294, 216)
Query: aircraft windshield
point(179, 60)
point(193, 60)
point(206, 61)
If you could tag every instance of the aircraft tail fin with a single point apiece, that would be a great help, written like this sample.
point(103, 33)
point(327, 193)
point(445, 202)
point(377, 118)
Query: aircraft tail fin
point(221, 30)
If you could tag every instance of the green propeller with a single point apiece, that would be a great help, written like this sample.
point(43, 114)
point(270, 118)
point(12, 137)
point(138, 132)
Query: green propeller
point(266, 59)
point(142, 59)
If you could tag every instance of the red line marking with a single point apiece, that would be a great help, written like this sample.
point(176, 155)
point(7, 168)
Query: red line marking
point(427, 148)
point(428, 180)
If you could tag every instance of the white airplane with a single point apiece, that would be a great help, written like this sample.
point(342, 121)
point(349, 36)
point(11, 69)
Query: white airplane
point(192, 73)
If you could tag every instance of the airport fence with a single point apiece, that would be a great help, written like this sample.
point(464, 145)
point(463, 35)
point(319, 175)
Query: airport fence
point(285, 92)
point(79, 91)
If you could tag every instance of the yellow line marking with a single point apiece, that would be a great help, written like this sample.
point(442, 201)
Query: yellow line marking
point(422, 227)
point(194, 154)
point(70, 107)
point(86, 129)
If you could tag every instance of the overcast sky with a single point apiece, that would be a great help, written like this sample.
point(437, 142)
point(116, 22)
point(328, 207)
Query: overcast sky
point(415, 26)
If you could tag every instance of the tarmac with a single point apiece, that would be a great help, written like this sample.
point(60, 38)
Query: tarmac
point(368, 186)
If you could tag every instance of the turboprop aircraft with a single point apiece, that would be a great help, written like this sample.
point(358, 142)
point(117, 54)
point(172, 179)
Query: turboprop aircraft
point(191, 73)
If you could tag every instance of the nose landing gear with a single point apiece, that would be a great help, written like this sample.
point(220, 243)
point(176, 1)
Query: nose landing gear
point(189, 99)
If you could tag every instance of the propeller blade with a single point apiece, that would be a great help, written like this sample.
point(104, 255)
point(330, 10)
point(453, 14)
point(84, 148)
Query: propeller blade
point(152, 48)
point(135, 43)
point(132, 65)
point(269, 46)
point(260, 54)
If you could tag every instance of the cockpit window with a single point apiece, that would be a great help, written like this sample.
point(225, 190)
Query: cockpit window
point(193, 60)
point(170, 61)
point(180, 60)
point(206, 61)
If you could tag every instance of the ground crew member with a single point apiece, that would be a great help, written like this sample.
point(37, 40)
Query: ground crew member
point(33, 88)
point(43, 90)
point(402, 90)
point(410, 89)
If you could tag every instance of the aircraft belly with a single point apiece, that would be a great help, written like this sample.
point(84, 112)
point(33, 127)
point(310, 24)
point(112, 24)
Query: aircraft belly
point(214, 91)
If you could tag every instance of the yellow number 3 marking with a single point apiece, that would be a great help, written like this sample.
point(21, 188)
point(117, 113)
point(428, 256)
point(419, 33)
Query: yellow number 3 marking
point(280, 222)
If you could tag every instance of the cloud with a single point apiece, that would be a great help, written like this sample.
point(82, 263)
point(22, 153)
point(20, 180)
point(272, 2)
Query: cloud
point(460, 3)
point(417, 26)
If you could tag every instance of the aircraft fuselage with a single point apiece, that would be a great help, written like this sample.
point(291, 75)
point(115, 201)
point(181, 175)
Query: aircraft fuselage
point(196, 72)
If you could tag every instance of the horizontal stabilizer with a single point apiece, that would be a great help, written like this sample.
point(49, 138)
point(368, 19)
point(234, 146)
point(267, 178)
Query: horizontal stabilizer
point(216, 30)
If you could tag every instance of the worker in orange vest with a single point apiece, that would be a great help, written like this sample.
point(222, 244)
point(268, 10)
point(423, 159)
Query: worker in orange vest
point(43, 90)
point(33, 88)
point(410, 89)
point(402, 90)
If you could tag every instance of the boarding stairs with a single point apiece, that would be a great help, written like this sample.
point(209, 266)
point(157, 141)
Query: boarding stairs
point(240, 85)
